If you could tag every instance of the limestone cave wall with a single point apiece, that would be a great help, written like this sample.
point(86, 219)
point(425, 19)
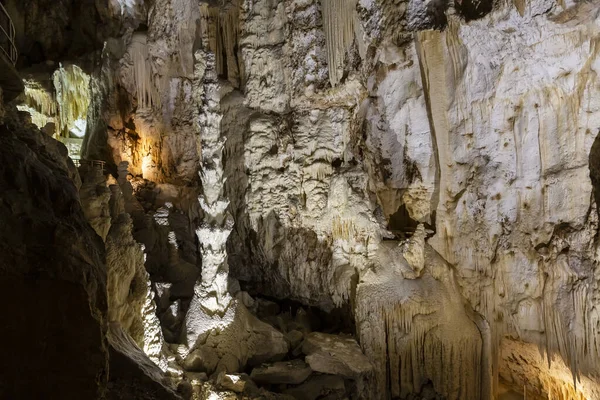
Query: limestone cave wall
point(319, 199)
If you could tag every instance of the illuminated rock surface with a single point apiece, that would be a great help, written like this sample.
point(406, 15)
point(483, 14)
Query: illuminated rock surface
point(305, 199)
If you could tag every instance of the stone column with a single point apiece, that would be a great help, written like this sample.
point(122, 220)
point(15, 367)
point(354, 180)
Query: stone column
point(211, 297)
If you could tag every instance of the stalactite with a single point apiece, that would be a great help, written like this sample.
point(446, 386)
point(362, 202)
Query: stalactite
point(339, 19)
point(41, 100)
point(72, 96)
point(419, 330)
point(570, 337)
point(147, 93)
point(230, 26)
point(416, 352)
point(344, 229)
point(220, 34)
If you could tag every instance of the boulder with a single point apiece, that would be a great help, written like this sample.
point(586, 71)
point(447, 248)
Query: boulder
point(203, 359)
point(336, 355)
point(265, 344)
point(239, 336)
point(228, 363)
point(318, 386)
point(266, 308)
point(196, 378)
point(238, 383)
point(295, 338)
point(291, 372)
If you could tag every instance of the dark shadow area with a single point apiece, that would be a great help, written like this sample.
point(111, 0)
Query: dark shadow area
point(473, 9)
point(594, 165)
point(401, 224)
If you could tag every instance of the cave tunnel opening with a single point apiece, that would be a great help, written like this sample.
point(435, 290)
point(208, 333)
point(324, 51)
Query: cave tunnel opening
point(401, 224)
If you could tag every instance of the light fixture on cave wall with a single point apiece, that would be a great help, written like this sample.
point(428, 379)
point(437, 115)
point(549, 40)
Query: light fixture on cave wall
point(58, 105)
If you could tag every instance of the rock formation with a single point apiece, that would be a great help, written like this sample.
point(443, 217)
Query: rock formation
point(304, 199)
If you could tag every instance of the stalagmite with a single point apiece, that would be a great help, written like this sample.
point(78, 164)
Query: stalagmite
point(211, 294)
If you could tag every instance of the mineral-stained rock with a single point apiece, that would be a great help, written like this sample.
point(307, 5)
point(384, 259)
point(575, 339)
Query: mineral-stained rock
point(337, 355)
point(291, 372)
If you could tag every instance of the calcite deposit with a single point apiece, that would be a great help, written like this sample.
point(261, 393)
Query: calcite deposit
point(303, 199)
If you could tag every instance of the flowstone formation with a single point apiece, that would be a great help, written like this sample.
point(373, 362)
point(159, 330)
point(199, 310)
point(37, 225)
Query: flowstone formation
point(316, 199)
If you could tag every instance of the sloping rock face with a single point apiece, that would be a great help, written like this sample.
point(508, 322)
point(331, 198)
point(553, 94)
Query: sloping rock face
point(53, 274)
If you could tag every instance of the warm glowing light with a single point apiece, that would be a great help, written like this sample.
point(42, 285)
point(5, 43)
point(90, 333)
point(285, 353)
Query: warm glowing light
point(146, 165)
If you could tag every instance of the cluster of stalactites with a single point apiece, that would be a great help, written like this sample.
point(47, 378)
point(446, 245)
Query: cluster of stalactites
point(147, 94)
point(339, 24)
point(409, 349)
point(41, 100)
point(576, 341)
point(72, 96)
point(39, 103)
point(219, 30)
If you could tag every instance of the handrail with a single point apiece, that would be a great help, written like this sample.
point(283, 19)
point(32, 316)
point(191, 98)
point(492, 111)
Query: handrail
point(93, 163)
point(8, 32)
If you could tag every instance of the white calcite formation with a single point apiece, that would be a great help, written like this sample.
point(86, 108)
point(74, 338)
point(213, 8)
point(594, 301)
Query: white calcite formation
point(62, 100)
point(429, 170)
point(516, 210)
point(39, 103)
point(73, 97)
point(211, 296)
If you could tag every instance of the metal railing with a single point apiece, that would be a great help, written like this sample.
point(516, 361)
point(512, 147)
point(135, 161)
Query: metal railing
point(7, 36)
point(93, 164)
